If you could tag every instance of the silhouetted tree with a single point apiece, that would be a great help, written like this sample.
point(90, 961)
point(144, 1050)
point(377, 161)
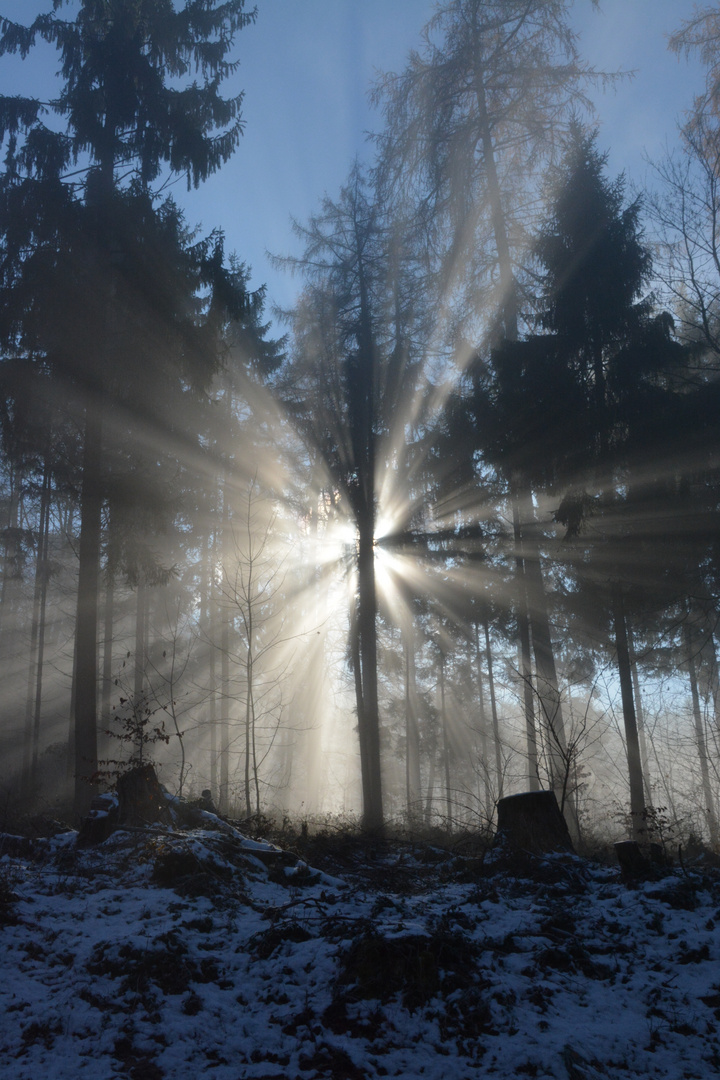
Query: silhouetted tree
point(354, 368)
point(613, 366)
point(92, 246)
point(471, 121)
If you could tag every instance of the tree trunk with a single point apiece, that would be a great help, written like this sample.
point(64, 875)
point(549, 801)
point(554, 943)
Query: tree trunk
point(430, 793)
point(446, 746)
point(140, 644)
point(488, 801)
point(525, 665)
point(644, 759)
point(367, 631)
point(637, 800)
point(86, 626)
point(107, 680)
point(314, 702)
point(356, 664)
point(224, 799)
point(547, 683)
point(493, 707)
point(412, 730)
point(224, 796)
point(362, 434)
point(37, 631)
point(42, 620)
point(249, 723)
point(11, 561)
point(70, 757)
point(212, 667)
point(708, 800)
point(709, 653)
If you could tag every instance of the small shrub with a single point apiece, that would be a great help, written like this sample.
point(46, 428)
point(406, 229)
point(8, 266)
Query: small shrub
point(679, 893)
point(413, 965)
point(165, 965)
point(8, 898)
point(41, 1032)
point(190, 872)
point(264, 944)
point(192, 1004)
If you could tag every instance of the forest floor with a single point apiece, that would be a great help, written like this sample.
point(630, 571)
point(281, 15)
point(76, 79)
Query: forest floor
point(200, 953)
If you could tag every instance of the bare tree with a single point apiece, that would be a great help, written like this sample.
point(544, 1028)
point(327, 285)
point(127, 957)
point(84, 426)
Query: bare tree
point(255, 587)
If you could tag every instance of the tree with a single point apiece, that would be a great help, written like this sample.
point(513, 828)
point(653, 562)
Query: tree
point(355, 365)
point(255, 590)
point(339, 316)
point(701, 34)
point(470, 123)
point(127, 119)
point(684, 211)
point(612, 366)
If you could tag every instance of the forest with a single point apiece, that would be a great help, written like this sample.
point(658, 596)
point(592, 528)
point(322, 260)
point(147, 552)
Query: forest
point(450, 531)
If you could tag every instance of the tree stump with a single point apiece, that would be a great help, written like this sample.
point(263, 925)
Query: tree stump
point(100, 822)
point(141, 799)
point(532, 822)
point(638, 862)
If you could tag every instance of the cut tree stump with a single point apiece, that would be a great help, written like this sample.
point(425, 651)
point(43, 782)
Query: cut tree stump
point(141, 799)
point(640, 861)
point(532, 822)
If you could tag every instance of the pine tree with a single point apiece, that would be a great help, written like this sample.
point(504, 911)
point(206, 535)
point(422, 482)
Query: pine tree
point(619, 364)
point(78, 217)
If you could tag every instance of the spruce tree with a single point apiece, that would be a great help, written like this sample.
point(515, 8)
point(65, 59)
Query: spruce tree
point(139, 96)
point(612, 368)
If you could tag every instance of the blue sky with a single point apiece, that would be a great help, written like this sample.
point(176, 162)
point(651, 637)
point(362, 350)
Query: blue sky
point(306, 67)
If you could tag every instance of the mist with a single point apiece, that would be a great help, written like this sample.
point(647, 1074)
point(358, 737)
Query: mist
point(444, 531)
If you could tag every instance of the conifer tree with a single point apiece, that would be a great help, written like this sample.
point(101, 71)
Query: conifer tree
point(139, 94)
point(471, 121)
point(611, 366)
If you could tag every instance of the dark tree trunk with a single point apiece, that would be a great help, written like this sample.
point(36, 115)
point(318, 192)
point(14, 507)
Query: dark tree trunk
point(42, 619)
point(430, 792)
point(86, 668)
point(493, 707)
point(303, 757)
point(547, 683)
point(107, 682)
point(637, 799)
point(525, 664)
point(708, 801)
point(367, 632)
point(412, 731)
point(213, 629)
point(140, 643)
point(484, 767)
point(224, 799)
point(355, 660)
point(37, 639)
point(446, 742)
point(362, 433)
point(644, 759)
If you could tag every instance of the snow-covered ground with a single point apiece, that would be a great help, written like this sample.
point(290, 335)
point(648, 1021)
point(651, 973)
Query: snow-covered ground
point(196, 954)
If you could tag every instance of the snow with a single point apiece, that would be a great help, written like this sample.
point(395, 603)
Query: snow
point(397, 961)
